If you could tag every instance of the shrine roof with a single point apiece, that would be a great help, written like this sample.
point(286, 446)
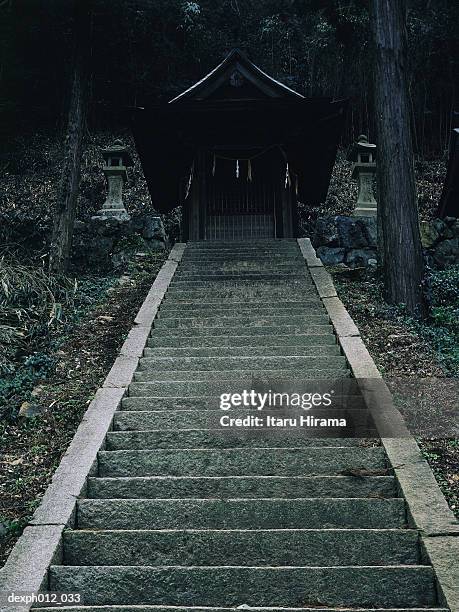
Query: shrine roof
point(236, 77)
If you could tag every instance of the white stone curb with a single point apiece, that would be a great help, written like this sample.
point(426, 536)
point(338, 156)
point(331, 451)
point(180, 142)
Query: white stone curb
point(39, 546)
point(427, 508)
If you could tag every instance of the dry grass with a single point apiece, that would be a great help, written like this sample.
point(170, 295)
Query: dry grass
point(405, 349)
point(31, 448)
point(31, 300)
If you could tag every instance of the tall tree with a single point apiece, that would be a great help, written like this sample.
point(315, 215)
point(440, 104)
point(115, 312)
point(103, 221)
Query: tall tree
point(74, 140)
point(399, 221)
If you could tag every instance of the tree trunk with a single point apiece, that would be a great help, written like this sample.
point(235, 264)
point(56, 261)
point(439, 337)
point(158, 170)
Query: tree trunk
point(397, 207)
point(64, 217)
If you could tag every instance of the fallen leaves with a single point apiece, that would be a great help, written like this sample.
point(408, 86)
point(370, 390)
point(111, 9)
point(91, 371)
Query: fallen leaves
point(33, 447)
point(400, 352)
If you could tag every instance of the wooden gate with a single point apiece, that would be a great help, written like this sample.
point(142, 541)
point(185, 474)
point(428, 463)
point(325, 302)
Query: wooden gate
point(239, 209)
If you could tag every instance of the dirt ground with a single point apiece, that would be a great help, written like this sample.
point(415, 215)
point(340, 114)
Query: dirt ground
point(31, 448)
point(400, 351)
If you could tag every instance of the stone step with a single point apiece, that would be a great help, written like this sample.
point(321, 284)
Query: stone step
point(216, 438)
point(159, 608)
point(276, 282)
point(289, 252)
point(244, 351)
point(269, 260)
point(265, 265)
point(262, 254)
point(251, 320)
point(179, 318)
point(337, 383)
point(244, 330)
point(216, 276)
point(205, 386)
point(234, 302)
point(223, 487)
point(318, 513)
point(236, 244)
point(237, 277)
point(247, 376)
point(203, 403)
point(243, 253)
point(239, 280)
point(319, 548)
point(251, 461)
point(284, 301)
point(257, 307)
point(250, 293)
point(265, 254)
point(266, 259)
point(396, 586)
point(170, 310)
point(252, 266)
point(270, 269)
point(243, 376)
point(324, 337)
point(267, 293)
point(150, 420)
point(241, 245)
point(256, 243)
point(249, 363)
point(300, 281)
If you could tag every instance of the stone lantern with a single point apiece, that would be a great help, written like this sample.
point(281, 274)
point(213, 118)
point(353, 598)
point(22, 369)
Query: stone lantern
point(117, 159)
point(363, 155)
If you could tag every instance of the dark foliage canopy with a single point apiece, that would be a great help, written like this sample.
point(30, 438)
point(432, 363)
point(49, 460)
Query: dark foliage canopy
point(149, 50)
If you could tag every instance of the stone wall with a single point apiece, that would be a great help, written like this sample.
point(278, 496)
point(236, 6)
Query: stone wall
point(106, 242)
point(346, 240)
point(440, 239)
point(352, 241)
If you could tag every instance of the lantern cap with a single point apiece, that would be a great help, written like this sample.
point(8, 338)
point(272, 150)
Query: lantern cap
point(118, 149)
point(361, 146)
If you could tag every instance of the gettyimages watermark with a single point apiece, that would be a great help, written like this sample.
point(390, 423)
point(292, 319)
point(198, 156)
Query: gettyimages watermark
point(255, 399)
point(272, 400)
point(362, 408)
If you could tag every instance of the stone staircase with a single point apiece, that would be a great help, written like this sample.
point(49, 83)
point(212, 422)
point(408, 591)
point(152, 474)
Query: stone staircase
point(182, 516)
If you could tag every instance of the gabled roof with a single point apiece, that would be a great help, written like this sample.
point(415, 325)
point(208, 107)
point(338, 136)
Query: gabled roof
point(236, 63)
point(307, 130)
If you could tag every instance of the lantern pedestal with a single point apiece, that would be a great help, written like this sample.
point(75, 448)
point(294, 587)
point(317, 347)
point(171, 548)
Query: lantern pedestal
point(117, 159)
point(363, 155)
point(113, 205)
point(366, 204)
